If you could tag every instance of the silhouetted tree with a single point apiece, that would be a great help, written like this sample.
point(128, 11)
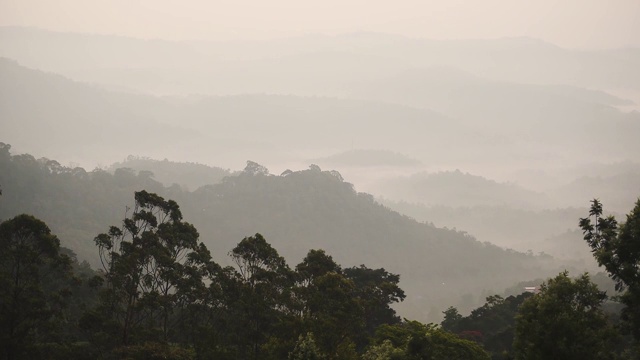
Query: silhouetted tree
point(617, 248)
point(35, 280)
point(564, 321)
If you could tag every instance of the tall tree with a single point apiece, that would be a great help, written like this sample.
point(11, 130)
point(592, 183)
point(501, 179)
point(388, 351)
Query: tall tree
point(153, 265)
point(617, 248)
point(378, 290)
point(34, 281)
point(261, 292)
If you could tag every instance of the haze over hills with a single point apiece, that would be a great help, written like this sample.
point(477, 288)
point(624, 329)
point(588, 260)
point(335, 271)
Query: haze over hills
point(459, 189)
point(276, 128)
point(296, 211)
point(189, 176)
point(281, 66)
point(407, 163)
point(39, 109)
point(443, 105)
point(282, 129)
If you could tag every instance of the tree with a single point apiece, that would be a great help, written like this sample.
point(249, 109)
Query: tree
point(377, 289)
point(153, 266)
point(415, 341)
point(253, 168)
point(564, 321)
point(451, 319)
point(384, 351)
point(315, 264)
point(261, 292)
point(306, 349)
point(617, 248)
point(329, 304)
point(34, 278)
point(491, 325)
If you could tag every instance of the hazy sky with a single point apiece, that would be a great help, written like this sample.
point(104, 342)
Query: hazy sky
point(569, 23)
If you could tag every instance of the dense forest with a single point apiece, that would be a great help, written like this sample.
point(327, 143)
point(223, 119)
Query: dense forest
point(296, 211)
point(157, 286)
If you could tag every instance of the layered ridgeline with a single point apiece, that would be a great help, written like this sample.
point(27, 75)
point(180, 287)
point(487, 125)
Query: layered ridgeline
point(295, 211)
point(489, 125)
point(71, 121)
point(282, 65)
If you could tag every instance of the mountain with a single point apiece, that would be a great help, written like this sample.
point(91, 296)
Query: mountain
point(552, 231)
point(49, 114)
point(296, 211)
point(281, 66)
point(617, 192)
point(561, 119)
point(455, 189)
point(188, 175)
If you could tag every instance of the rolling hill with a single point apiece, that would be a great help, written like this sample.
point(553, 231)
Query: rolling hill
point(296, 211)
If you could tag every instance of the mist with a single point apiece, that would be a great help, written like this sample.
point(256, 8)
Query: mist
point(395, 135)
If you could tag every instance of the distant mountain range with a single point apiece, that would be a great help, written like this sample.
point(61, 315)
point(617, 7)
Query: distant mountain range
point(282, 66)
point(48, 114)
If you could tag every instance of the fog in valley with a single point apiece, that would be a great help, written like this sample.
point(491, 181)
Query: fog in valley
point(452, 143)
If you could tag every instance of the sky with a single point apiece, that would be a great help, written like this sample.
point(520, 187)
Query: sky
point(586, 24)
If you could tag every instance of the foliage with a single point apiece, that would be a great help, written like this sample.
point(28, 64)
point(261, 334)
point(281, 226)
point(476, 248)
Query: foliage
point(154, 351)
point(384, 351)
point(412, 340)
point(305, 349)
point(564, 321)
point(35, 278)
point(491, 325)
point(260, 290)
point(153, 267)
point(617, 248)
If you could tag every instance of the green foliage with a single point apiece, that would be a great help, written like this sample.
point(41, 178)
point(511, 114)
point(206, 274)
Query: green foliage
point(384, 351)
point(438, 344)
point(491, 325)
point(315, 264)
point(306, 349)
point(154, 267)
point(154, 351)
point(412, 340)
point(349, 303)
point(260, 293)
point(617, 248)
point(377, 289)
point(564, 321)
point(35, 279)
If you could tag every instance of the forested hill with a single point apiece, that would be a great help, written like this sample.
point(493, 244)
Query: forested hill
point(188, 175)
point(295, 211)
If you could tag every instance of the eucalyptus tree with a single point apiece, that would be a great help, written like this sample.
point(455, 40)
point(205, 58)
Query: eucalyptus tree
point(260, 294)
point(154, 266)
